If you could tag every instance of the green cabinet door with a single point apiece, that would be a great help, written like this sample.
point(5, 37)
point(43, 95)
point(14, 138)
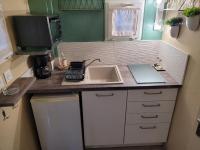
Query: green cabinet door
point(77, 26)
point(38, 6)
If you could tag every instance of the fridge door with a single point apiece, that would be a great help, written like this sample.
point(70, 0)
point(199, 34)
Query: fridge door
point(58, 121)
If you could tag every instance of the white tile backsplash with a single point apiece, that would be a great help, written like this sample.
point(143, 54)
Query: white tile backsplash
point(120, 53)
point(129, 52)
point(174, 61)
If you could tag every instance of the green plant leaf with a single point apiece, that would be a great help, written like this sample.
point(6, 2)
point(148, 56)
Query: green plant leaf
point(190, 12)
point(174, 21)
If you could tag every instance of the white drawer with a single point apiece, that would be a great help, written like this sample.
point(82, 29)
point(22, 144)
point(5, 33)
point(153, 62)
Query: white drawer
point(146, 133)
point(155, 106)
point(132, 119)
point(152, 94)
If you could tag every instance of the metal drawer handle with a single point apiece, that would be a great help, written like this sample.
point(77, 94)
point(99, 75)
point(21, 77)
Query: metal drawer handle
point(149, 117)
point(156, 105)
point(106, 95)
point(150, 127)
point(151, 93)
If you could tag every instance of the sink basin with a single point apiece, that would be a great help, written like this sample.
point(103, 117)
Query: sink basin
point(109, 74)
point(103, 74)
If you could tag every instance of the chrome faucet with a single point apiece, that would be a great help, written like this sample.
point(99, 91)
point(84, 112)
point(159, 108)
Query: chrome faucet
point(97, 59)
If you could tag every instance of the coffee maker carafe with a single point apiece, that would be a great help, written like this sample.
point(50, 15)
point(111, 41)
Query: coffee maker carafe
point(41, 66)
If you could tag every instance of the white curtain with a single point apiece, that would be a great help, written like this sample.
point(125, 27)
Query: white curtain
point(124, 22)
point(5, 46)
point(3, 35)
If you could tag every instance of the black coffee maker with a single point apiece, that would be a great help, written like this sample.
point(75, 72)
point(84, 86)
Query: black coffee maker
point(42, 66)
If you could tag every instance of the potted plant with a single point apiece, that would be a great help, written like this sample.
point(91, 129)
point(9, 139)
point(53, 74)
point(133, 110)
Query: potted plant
point(192, 17)
point(174, 23)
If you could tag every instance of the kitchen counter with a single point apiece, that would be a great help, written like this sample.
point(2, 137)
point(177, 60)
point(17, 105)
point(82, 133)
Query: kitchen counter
point(53, 84)
point(11, 100)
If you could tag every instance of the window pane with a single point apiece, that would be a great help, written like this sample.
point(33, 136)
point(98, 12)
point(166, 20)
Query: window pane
point(3, 36)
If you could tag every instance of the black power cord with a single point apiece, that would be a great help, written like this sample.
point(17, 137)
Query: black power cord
point(4, 115)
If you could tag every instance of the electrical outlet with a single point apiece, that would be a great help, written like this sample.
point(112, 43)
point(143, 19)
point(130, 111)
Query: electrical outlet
point(1, 116)
point(8, 75)
point(5, 113)
point(2, 85)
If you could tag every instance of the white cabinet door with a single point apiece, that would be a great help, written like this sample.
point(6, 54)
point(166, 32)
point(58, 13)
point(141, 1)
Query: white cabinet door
point(58, 121)
point(104, 117)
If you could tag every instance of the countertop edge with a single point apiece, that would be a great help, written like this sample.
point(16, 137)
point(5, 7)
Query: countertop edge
point(53, 84)
point(26, 83)
point(76, 90)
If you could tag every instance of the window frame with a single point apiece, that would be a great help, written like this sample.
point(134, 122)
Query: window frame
point(110, 5)
point(8, 51)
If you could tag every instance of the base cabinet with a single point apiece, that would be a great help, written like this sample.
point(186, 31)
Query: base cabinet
point(104, 117)
point(148, 115)
point(133, 117)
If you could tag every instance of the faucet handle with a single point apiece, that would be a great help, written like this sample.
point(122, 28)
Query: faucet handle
point(96, 59)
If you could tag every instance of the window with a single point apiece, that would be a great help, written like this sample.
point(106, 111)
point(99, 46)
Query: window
point(5, 47)
point(124, 20)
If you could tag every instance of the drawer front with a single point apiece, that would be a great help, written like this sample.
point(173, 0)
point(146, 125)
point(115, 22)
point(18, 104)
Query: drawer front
point(132, 119)
point(155, 106)
point(146, 133)
point(153, 95)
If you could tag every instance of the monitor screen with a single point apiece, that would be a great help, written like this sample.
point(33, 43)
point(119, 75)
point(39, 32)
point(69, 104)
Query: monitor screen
point(32, 31)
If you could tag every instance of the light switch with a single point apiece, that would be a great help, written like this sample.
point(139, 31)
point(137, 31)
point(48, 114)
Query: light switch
point(8, 76)
point(2, 85)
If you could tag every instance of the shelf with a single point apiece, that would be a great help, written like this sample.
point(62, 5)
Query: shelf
point(24, 84)
point(168, 9)
point(33, 53)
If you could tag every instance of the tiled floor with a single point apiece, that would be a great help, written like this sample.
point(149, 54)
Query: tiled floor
point(132, 148)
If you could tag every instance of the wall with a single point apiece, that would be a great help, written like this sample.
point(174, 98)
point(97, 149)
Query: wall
point(9, 5)
point(17, 132)
point(182, 134)
point(17, 64)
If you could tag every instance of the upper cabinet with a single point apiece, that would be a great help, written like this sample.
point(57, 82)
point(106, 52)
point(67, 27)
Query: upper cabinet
point(77, 25)
point(41, 6)
point(81, 4)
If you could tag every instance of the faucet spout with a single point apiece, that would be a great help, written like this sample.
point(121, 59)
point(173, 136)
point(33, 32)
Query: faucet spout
point(97, 59)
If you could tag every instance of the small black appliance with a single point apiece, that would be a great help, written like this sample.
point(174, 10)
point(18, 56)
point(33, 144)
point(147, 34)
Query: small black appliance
point(42, 66)
point(76, 72)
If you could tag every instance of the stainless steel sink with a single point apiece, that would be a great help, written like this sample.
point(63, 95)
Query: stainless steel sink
point(103, 74)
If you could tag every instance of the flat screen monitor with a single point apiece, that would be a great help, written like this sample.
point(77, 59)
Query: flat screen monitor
point(32, 32)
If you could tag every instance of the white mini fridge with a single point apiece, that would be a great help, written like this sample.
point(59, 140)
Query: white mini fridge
point(58, 121)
